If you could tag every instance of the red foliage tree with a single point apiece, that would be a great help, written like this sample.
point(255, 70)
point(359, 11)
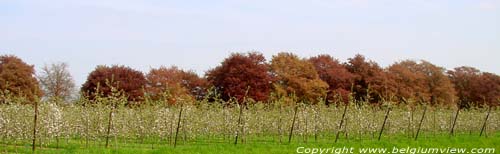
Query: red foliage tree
point(474, 87)
point(489, 90)
point(371, 83)
point(466, 83)
point(17, 78)
point(338, 78)
point(240, 72)
point(124, 79)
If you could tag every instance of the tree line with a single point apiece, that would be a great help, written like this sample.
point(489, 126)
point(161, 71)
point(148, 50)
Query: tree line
point(250, 77)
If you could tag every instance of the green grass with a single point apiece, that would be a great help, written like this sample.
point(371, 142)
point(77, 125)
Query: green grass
point(261, 145)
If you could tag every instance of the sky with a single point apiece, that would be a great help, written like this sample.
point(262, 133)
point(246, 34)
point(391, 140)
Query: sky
point(198, 35)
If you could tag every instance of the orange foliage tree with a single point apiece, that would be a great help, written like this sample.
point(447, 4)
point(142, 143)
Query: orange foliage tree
point(439, 87)
point(174, 83)
point(410, 83)
point(298, 77)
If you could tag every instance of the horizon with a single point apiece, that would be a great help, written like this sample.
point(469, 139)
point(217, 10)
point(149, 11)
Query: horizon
point(199, 35)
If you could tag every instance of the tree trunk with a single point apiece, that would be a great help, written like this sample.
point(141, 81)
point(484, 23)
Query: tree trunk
point(34, 126)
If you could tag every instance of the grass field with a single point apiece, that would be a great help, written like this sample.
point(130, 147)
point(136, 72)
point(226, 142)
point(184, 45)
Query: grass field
point(268, 145)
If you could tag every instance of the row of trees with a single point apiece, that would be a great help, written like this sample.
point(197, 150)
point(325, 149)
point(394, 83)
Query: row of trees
point(250, 76)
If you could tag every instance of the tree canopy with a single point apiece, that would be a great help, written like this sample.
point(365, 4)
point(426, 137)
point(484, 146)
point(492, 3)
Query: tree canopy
point(56, 81)
point(298, 77)
point(338, 78)
point(125, 79)
point(240, 75)
point(18, 79)
point(174, 83)
point(249, 76)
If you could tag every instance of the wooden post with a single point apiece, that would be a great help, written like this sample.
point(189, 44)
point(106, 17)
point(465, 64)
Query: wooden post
point(420, 124)
point(484, 124)
point(316, 120)
point(239, 125)
point(279, 126)
point(109, 124)
point(87, 126)
point(341, 123)
point(34, 126)
point(293, 124)
point(383, 125)
point(178, 126)
point(454, 122)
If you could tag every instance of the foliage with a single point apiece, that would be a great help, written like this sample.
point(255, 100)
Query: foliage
point(287, 77)
point(491, 88)
point(370, 80)
point(475, 87)
point(17, 79)
point(338, 78)
point(125, 79)
point(410, 83)
point(297, 77)
point(175, 82)
point(439, 86)
point(242, 75)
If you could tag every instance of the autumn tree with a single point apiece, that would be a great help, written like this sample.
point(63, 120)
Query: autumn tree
point(489, 90)
point(338, 78)
point(174, 83)
point(241, 73)
point(410, 82)
point(440, 88)
point(371, 82)
point(298, 77)
point(56, 81)
point(474, 87)
point(125, 79)
point(17, 79)
point(196, 85)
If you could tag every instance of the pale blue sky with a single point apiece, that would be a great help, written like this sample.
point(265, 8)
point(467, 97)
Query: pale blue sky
point(198, 35)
